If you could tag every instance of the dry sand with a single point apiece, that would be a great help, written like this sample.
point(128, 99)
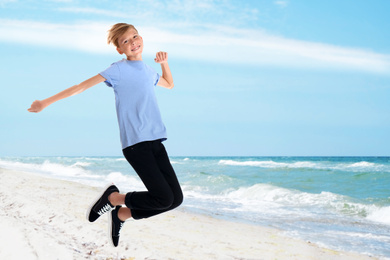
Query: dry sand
point(42, 218)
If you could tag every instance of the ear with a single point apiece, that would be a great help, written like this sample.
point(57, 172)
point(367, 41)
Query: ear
point(119, 51)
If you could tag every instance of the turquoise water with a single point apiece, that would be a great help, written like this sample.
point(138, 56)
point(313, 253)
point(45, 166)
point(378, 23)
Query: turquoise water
point(342, 203)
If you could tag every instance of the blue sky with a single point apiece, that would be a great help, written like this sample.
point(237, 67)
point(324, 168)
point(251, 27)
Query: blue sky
point(265, 78)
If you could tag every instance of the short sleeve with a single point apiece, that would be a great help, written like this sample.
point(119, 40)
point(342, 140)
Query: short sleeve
point(112, 75)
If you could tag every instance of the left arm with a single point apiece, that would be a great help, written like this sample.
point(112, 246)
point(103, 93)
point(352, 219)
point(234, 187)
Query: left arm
point(166, 79)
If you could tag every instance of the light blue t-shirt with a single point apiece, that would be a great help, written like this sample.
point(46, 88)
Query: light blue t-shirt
point(137, 110)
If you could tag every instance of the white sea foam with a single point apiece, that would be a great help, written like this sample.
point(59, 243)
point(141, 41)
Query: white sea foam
point(82, 164)
point(77, 172)
point(381, 215)
point(268, 164)
point(269, 193)
point(320, 165)
point(125, 183)
point(116, 177)
point(174, 162)
point(259, 196)
point(362, 235)
point(53, 169)
point(97, 159)
point(361, 164)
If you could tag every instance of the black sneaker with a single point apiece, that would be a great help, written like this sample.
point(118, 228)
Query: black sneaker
point(101, 204)
point(114, 226)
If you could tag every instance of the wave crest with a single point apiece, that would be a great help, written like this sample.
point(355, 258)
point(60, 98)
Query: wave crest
point(320, 165)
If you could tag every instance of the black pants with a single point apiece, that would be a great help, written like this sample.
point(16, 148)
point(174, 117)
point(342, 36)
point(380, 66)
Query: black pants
point(150, 161)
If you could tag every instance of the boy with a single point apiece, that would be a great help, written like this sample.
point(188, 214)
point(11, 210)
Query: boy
point(141, 131)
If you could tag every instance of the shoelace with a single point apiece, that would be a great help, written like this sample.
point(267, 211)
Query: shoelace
point(120, 227)
point(104, 209)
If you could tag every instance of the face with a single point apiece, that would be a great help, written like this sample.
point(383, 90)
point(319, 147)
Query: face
point(131, 44)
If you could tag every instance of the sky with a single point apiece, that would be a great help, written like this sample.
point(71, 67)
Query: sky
point(252, 78)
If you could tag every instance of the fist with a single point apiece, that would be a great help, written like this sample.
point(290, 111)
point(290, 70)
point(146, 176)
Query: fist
point(36, 106)
point(161, 57)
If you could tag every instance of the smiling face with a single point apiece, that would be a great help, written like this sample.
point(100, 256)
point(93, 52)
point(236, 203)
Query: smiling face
point(131, 44)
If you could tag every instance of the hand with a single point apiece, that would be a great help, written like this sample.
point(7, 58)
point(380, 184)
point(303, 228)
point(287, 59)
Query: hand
point(161, 57)
point(36, 106)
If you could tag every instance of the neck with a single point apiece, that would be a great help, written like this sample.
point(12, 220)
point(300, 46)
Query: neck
point(134, 58)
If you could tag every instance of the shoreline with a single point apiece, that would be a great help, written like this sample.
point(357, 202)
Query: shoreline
point(44, 218)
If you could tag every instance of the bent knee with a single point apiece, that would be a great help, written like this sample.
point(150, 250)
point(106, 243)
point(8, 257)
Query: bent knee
point(170, 200)
point(178, 200)
point(166, 201)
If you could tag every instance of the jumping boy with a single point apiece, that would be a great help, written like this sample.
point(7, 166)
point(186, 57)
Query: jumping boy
point(141, 131)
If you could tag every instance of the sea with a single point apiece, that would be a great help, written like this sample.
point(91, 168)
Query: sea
point(341, 203)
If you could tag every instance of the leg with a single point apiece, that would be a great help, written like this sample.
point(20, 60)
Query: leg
point(151, 163)
point(169, 174)
point(116, 199)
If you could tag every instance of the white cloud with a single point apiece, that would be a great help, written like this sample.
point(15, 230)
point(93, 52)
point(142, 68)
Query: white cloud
point(96, 11)
point(86, 36)
point(240, 46)
point(282, 4)
point(207, 43)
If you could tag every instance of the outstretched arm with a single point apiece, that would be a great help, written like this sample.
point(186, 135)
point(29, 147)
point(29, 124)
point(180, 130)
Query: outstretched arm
point(166, 79)
point(39, 105)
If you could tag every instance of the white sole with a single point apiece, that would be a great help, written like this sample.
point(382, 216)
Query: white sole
point(110, 229)
point(95, 200)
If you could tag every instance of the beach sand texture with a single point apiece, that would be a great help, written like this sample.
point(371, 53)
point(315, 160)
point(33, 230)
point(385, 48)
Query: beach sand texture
point(42, 218)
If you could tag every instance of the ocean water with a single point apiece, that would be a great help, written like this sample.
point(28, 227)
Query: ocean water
point(342, 203)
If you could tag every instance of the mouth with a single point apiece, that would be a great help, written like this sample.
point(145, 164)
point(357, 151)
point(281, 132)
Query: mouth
point(136, 48)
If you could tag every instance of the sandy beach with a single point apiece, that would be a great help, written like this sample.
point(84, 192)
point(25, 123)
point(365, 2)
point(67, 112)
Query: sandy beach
point(42, 218)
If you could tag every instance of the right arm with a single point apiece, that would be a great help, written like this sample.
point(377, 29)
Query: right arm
point(39, 105)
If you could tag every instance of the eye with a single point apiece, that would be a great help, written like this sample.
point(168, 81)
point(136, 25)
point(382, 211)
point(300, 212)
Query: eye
point(126, 41)
point(135, 36)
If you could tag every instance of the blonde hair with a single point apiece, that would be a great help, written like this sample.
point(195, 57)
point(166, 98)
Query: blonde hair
point(116, 31)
